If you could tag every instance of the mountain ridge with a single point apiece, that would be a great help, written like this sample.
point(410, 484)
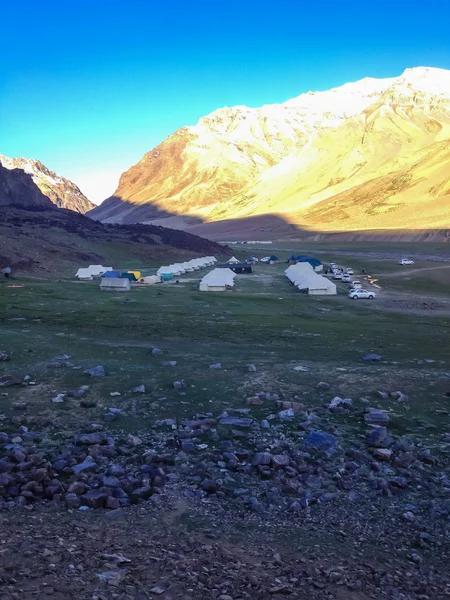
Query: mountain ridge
point(299, 158)
point(60, 191)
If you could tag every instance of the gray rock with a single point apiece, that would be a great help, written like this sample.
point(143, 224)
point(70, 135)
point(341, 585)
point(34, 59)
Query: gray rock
point(262, 458)
point(169, 363)
point(94, 499)
point(72, 500)
point(215, 366)
point(7, 380)
point(76, 393)
point(323, 385)
point(320, 440)
point(3, 356)
point(399, 396)
point(251, 368)
point(244, 422)
point(383, 395)
point(179, 385)
point(87, 465)
point(140, 389)
point(156, 351)
point(376, 417)
point(371, 358)
point(377, 435)
point(97, 371)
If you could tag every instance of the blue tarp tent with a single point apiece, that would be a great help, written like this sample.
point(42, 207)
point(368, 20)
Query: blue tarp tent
point(114, 274)
point(314, 262)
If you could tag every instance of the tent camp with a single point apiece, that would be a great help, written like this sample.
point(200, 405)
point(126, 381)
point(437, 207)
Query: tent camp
point(217, 280)
point(83, 274)
point(303, 276)
point(111, 274)
point(273, 260)
point(186, 267)
point(150, 279)
point(137, 274)
point(233, 261)
point(115, 284)
point(92, 271)
point(129, 276)
point(314, 262)
point(251, 260)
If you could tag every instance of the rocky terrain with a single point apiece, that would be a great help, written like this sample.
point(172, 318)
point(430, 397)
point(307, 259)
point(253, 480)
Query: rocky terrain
point(333, 476)
point(368, 155)
point(60, 191)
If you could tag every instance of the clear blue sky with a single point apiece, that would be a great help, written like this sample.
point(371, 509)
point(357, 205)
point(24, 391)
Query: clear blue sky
point(88, 86)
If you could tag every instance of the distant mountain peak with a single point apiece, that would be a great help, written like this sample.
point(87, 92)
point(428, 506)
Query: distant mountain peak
point(369, 154)
point(62, 192)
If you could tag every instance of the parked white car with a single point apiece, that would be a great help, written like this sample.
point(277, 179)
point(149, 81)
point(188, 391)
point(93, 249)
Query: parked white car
point(349, 271)
point(361, 294)
point(405, 261)
point(265, 259)
point(355, 285)
point(346, 278)
point(337, 275)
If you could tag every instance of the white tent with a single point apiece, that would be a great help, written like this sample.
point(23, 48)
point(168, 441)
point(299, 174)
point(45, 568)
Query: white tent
point(115, 284)
point(150, 279)
point(217, 280)
point(303, 276)
point(83, 274)
point(233, 261)
point(92, 271)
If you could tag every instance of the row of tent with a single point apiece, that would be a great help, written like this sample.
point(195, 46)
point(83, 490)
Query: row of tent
point(217, 280)
point(186, 267)
point(303, 276)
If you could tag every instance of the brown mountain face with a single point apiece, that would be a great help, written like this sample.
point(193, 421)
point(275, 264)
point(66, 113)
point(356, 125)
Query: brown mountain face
point(60, 191)
point(369, 155)
point(18, 189)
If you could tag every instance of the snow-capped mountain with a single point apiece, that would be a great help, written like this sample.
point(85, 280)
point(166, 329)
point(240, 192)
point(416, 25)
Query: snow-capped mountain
point(366, 155)
point(59, 190)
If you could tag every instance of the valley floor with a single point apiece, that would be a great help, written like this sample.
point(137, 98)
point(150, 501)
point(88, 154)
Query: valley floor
point(213, 492)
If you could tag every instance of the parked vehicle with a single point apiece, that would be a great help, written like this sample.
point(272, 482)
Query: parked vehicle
point(355, 285)
point(346, 278)
point(405, 261)
point(265, 259)
point(361, 294)
point(349, 271)
point(337, 275)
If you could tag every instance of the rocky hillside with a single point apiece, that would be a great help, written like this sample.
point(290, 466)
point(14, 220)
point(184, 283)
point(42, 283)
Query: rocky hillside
point(38, 237)
point(17, 188)
point(368, 155)
point(62, 192)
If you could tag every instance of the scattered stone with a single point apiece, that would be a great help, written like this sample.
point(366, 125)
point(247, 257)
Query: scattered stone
point(251, 368)
point(408, 516)
point(158, 590)
point(382, 454)
point(58, 398)
point(19, 405)
point(133, 441)
point(216, 366)
point(3, 356)
point(301, 368)
point(340, 402)
point(323, 385)
point(114, 394)
point(157, 351)
point(179, 385)
point(296, 406)
point(320, 440)
point(254, 401)
point(98, 371)
point(376, 416)
point(286, 414)
point(237, 421)
point(7, 380)
point(76, 393)
point(113, 578)
point(382, 395)
point(140, 389)
point(399, 396)
point(371, 358)
point(169, 363)
point(262, 458)
point(377, 436)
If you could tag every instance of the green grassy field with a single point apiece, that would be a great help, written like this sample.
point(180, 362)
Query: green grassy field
point(263, 321)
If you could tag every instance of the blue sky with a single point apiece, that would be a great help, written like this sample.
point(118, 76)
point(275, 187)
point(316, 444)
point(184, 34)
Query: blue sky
point(88, 86)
